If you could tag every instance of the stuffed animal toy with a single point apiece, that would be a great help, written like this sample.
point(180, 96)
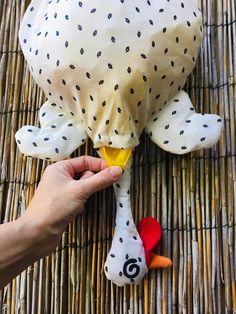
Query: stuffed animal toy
point(111, 70)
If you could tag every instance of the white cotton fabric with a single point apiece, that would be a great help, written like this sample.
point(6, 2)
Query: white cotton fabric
point(185, 130)
point(110, 69)
point(113, 64)
point(58, 127)
point(126, 262)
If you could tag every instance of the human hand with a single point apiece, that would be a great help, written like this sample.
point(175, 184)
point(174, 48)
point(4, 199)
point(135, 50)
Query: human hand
point(60, 196)
point(63, 191)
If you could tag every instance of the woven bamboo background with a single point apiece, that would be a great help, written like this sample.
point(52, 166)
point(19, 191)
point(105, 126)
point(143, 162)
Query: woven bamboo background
point(193, 196)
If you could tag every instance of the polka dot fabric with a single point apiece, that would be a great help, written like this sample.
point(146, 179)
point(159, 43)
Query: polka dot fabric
point(59, 135)
point(110, 70)
point(126, 262)
point(113, 64)
point(179, 129)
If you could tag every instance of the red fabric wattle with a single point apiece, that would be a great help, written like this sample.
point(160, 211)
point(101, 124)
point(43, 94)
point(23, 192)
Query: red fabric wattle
point(150, 233)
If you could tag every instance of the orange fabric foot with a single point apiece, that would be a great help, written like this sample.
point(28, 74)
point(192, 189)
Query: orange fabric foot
point(158, 261)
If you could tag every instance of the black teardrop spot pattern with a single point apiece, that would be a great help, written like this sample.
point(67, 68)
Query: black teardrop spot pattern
point(115, 39)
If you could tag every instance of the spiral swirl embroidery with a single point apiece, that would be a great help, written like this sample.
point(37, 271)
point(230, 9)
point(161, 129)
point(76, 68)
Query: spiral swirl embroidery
point(130, 269)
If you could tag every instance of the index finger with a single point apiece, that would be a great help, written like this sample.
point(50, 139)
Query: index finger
point(84, 163)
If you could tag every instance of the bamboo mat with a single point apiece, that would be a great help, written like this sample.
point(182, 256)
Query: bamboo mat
point(193, 196)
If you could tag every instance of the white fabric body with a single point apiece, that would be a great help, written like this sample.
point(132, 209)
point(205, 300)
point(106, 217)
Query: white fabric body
point(110, 69)
point(113, 64)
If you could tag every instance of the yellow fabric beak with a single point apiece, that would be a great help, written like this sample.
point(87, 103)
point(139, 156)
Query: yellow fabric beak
point(115, 156)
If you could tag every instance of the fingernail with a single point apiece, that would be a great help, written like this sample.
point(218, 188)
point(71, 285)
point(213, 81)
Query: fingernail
point(115, 172)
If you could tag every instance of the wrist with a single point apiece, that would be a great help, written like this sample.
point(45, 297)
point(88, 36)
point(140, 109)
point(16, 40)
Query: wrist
point(22, 243)
point(40, 238)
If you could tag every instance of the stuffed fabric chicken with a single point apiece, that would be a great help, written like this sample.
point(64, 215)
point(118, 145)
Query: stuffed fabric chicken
point(111, 70)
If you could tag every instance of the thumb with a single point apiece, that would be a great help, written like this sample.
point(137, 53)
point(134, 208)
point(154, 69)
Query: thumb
point(99, 181)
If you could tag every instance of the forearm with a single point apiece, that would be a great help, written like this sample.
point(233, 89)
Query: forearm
point(21, 245)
